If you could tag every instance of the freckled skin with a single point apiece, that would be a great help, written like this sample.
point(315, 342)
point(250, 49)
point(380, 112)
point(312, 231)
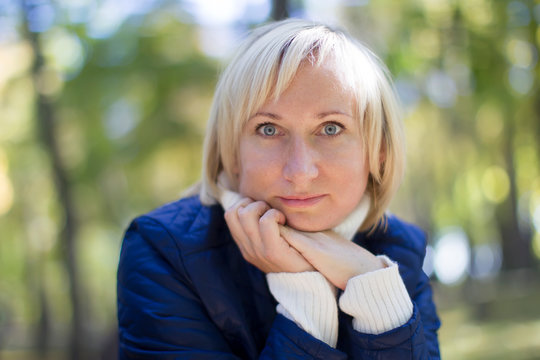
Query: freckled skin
point(303, 154)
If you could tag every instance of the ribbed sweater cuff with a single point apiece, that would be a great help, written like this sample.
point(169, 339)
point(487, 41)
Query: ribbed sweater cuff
point(309, 300)
point(378, 301)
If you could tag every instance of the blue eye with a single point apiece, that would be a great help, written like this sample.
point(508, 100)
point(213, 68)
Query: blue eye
point(267, 130)
point(331, 129)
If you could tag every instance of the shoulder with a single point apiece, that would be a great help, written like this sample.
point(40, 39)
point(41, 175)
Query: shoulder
point(185, 224)
point(396, 234)
point(403, 235)
point(180, 216)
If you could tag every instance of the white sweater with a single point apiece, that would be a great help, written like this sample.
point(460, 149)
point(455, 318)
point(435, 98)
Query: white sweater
point(378, 301)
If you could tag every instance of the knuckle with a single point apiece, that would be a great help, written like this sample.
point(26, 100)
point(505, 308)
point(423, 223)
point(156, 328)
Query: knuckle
point(243, 212)
point(262, 205)
point(263, 220)
point(269, 216)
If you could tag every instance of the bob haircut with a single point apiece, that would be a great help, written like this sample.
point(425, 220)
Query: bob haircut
point(265, 65)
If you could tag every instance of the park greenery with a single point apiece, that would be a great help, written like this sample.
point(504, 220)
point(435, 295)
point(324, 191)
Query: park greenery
point(100, 123)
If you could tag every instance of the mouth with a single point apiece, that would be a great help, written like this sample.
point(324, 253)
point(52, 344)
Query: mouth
point(301, 201)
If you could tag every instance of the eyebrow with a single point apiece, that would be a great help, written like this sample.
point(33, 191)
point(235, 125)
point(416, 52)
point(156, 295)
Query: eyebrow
point(335, 112)
point(267, 114)
point(320, 115)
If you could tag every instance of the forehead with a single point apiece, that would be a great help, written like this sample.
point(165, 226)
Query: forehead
point(315, 85)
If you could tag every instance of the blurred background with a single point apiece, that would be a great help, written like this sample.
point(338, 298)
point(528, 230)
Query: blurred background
point(103, 106)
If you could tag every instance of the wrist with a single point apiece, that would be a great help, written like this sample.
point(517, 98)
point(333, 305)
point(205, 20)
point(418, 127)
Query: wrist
point(370, 264)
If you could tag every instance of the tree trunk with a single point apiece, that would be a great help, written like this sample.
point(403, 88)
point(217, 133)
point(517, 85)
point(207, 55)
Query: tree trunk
point(47, 135)
point(280, 9)
point(516, 245)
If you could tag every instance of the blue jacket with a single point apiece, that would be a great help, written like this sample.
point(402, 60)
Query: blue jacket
point(185, 292)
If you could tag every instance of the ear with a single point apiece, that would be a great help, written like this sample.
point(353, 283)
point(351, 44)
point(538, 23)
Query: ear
point(382, 156)
point(382, 153)
point(382, 162)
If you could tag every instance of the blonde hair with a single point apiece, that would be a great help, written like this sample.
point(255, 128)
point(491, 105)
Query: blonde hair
point(264, 66)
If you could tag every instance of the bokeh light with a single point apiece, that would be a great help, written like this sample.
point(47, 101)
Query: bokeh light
point(64, 51)
point(486, 260)
point(495, 184)
point(452, 256)
point(6, 188)
point(130, 84)
point(521, 80)
point(40, 16)
point(121, 118)
point(441, 89)
point(521, 53)
point(518, 14)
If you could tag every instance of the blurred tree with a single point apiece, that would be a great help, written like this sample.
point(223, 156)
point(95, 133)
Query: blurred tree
point(121, 119)
point(47, 134)
point(464, 73)
point(280, 9)
point(121, 93)
point(516, 243)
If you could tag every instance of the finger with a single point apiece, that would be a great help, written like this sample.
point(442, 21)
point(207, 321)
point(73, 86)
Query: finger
point(231, 214)
point(249, 219)
point(296, 239)
point(269, 226)
point(243, 202)
point(273, 216)
point(257, 208)
point(276, 249)
point(235, 227)
point(238, 220)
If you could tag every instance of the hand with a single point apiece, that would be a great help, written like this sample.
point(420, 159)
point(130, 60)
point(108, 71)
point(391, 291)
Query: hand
point(254, 227)
point(336, 258)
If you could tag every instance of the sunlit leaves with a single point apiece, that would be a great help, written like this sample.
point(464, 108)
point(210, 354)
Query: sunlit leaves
point(466, 73)
point(132, 87)
point(64, 51)
point(495, 184)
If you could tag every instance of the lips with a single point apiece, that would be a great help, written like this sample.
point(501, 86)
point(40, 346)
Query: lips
point(301, 201)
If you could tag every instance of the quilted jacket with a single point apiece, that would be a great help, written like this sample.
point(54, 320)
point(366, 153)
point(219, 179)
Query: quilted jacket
point(185, 292)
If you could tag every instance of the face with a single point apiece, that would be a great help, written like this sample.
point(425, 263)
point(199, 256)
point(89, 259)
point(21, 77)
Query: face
point(303, 154)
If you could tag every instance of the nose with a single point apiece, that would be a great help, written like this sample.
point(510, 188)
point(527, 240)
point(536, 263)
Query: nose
point(301, 162)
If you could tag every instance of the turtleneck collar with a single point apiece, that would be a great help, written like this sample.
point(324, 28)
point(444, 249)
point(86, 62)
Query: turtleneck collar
point(347, 228)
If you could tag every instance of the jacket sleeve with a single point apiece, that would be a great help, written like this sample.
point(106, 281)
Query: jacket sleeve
point(417, 338)
point(161, 316)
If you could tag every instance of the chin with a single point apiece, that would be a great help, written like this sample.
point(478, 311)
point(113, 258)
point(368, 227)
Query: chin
point(309, 225)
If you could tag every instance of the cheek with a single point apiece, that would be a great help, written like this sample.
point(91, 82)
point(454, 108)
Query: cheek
point(257, 167)
point(347, 158)
point(349, 170)
point(362, 171)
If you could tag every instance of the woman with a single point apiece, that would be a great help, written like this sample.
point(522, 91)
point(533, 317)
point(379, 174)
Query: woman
point(304, 151)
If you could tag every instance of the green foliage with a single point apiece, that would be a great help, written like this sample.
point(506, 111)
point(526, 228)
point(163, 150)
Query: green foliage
point(130, 116)
point(459, 170)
